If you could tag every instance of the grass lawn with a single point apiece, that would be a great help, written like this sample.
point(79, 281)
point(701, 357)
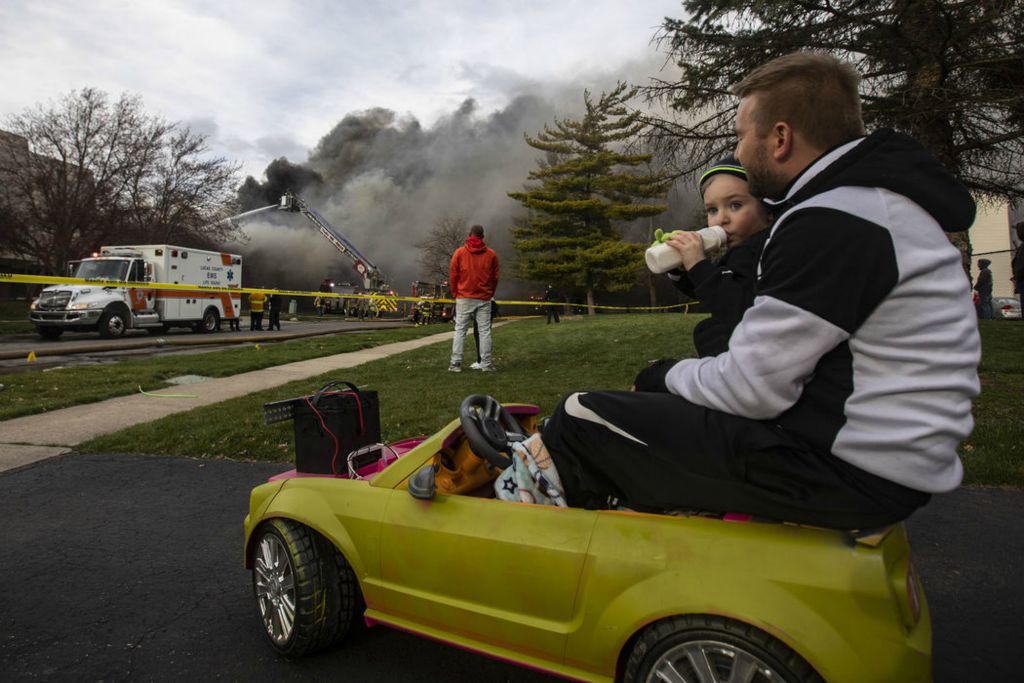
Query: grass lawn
point(994, 453)
point(14, 317)
point(28, 393)
point(539, 364)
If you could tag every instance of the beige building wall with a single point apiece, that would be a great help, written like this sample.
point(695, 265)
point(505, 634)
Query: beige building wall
point(990, 238)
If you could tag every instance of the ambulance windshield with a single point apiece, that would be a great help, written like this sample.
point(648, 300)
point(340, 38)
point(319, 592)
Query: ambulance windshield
point(102, 269)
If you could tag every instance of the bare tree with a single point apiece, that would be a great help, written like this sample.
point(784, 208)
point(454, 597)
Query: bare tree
point(86, 171)
point(447, 235)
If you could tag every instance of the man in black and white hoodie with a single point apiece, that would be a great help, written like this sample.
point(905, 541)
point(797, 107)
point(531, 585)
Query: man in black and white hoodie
point(847, 386)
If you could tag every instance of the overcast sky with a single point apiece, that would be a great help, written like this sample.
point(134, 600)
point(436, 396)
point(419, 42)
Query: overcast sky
point(268, 79)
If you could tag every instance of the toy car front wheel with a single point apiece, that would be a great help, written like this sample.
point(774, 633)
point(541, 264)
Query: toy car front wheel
point(306, 593)
point(706, 649)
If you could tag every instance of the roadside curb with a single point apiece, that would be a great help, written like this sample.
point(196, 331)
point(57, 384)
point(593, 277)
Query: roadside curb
point(16, 456)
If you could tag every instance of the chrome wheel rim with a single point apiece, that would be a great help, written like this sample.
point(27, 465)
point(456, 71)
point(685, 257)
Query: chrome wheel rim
point(274, 582)
point(710, 661)
point(115, 326)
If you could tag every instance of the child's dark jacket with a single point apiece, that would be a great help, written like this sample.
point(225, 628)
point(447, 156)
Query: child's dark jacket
point(726, 289)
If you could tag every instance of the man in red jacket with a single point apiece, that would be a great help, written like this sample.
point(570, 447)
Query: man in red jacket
point(473, 277)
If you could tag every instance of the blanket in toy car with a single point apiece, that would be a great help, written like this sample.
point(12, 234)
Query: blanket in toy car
point(532, 478)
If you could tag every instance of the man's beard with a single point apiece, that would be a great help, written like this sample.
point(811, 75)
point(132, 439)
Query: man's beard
point(761, 180)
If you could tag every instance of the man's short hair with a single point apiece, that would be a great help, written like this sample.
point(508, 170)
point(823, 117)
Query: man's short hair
point(477, 230)
point(815, 93)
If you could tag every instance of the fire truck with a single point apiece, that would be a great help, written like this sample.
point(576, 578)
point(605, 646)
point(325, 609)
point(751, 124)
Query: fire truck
point(429, 309)
point(111, 310)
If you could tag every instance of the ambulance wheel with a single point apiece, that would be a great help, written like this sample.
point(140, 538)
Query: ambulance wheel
point(113, 323)
point(210, 321)
point(49, 332)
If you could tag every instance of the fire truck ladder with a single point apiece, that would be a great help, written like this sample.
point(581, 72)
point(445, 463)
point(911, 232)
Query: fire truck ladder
point(367, 270)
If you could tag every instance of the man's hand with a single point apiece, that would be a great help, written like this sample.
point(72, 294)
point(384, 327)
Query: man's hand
point(652, 378)
point(689, 245)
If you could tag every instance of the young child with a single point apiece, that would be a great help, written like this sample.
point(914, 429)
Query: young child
point(725, 287)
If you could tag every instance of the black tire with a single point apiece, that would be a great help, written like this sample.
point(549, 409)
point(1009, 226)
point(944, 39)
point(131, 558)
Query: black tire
point(293, 566)
point(50, 332)
point(113, 323)
point(209, 323)
point(703, 648)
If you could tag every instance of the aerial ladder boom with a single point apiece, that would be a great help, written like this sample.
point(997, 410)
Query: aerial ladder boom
point(367, 270)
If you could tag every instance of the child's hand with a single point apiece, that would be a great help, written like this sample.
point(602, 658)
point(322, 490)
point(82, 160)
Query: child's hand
point(689, 245)
point(652, 378)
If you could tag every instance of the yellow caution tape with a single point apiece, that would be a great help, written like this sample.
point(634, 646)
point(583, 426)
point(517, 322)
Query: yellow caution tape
point(382, 301)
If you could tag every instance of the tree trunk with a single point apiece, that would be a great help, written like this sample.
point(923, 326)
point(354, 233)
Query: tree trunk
point(590, 294)
point(923, 28)
point(653, 291)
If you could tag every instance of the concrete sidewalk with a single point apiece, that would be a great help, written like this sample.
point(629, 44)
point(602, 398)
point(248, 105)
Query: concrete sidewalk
point(26, 440)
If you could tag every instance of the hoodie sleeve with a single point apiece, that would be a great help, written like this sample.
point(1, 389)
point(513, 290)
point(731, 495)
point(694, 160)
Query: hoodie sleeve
point(823, 272)
point(453, 274)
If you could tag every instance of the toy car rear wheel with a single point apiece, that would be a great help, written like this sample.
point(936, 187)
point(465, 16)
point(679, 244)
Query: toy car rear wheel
point(707, 649)
point(307, 595)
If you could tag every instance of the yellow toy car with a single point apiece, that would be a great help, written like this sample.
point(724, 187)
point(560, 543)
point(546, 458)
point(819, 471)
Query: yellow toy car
point(417, 541)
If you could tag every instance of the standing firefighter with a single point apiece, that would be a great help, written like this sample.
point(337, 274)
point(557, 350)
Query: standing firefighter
point(257, 301)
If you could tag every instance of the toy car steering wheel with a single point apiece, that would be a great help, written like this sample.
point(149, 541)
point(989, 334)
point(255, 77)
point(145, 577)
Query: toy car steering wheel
point(490, 429)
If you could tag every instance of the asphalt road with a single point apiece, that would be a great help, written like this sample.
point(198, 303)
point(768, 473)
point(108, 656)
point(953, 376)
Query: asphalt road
point(88, 348)
point(120, 567)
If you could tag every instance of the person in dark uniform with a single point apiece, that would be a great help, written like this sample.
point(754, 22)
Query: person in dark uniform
point(552, 295)
point(984, 289)
point(275, 311)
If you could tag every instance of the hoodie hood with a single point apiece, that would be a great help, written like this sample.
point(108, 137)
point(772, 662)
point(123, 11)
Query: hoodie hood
point(896, 162)
point(475, 244)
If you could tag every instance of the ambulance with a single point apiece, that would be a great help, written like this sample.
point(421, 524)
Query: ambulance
point(112, 310)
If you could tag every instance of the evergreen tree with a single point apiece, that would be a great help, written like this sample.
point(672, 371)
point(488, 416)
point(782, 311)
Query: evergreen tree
point(568, 237)
point(949, 72)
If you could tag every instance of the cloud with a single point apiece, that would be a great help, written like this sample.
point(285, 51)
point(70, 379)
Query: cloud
point(262, 69)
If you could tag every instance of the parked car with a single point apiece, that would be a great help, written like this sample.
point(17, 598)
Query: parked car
point(1006, 307)
point(417, 541)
